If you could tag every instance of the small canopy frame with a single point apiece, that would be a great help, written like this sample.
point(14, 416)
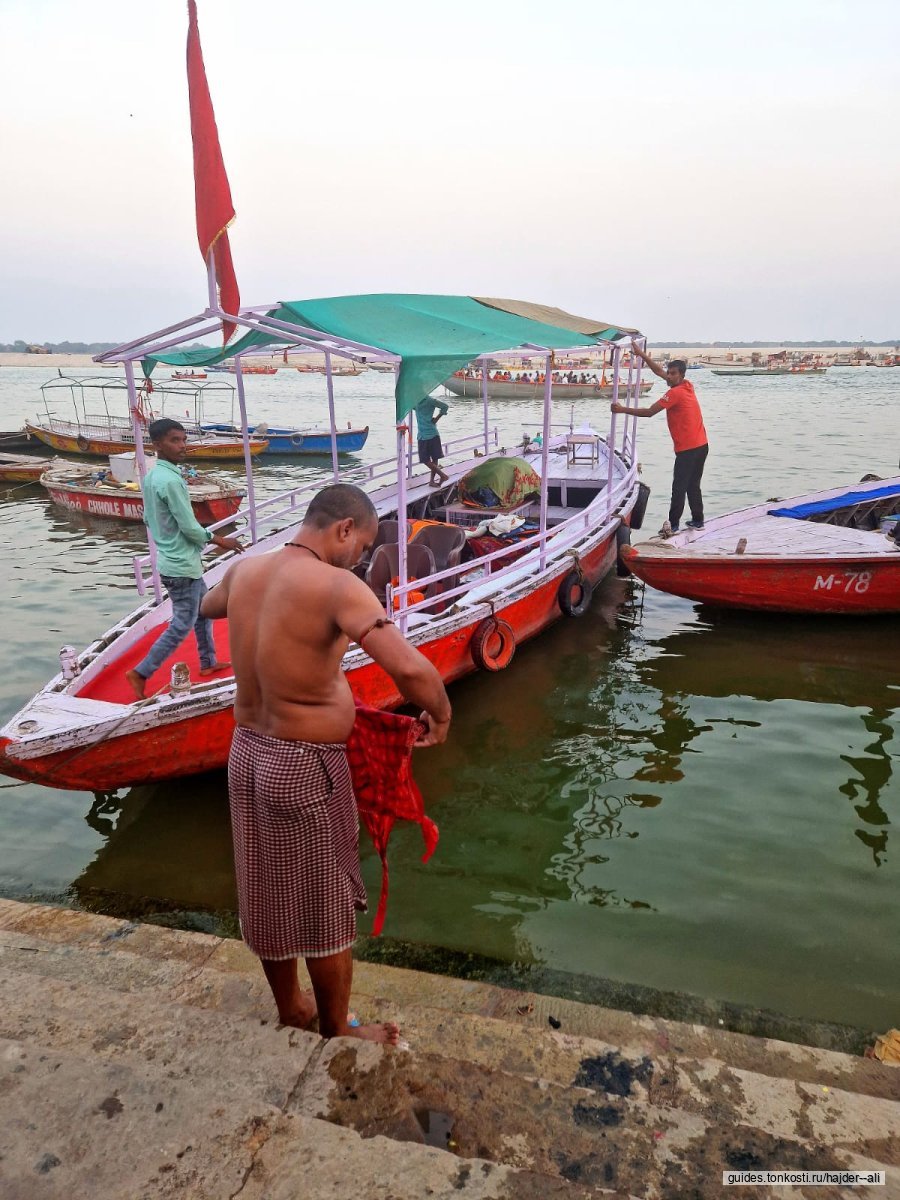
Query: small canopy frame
point(424, 337)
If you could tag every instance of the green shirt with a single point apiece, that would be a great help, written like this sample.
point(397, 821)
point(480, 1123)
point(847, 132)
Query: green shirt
point(425, 417)
point(178, 535)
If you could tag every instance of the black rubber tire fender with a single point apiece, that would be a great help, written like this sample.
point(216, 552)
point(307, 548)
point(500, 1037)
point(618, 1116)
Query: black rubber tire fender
point(575, 594)
point(623, 538)
point(493, 644)
point(636, 519)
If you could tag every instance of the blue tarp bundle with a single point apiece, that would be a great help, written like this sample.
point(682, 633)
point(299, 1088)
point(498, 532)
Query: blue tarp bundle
point(801, 511)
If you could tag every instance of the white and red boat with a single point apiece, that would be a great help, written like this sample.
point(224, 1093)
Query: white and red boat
point(84, 728)
point(824, 552)
point(88, 731)
point(80, 487)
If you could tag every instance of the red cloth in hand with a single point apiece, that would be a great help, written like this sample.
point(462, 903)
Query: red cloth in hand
point(379, 751)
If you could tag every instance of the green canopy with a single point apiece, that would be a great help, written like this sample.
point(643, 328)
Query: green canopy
point(434, 335)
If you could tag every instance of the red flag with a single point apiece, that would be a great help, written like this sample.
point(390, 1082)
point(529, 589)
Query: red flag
point(215, 210)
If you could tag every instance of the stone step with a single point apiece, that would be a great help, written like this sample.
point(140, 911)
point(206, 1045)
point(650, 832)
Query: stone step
point(553, 1105)
point(77, 1126)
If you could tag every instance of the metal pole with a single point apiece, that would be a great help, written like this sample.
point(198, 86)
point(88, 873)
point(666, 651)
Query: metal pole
point(211, 282)
point(409, 451)
point(484, 401)
point(402, 431)
point(329, 379)
point(141, 462)
point(545, 455)
point(245, 438)
point(630, 401)
point(611, 444)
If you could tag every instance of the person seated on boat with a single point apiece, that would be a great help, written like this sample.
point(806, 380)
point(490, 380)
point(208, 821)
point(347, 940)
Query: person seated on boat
point(430, 449)
point(688, 433)
point(291, 616)
point(179, 538)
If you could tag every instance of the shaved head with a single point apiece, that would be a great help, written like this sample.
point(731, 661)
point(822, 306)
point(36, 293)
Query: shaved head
point(340, 502)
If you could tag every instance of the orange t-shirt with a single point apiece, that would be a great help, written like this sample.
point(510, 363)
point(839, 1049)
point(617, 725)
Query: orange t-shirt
point(684, 417)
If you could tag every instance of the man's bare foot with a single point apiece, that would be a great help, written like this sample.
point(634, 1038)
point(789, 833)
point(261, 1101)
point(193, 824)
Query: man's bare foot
point(385, 1032)
point(138, 683)
point(304, 1015)
point(217, 666)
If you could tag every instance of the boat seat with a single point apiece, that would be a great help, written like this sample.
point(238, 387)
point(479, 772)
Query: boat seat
point(385, 566)
point(388, 532)
point(446, 542)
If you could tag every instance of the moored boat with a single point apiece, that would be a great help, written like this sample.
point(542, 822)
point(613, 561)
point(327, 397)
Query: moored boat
point(284, 440)
point(823, 552)
point(99, 441)
point(89, 732)
point(22, 468)
point(82, 488)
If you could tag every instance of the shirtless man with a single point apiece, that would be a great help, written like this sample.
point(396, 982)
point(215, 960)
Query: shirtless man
point(291, 616)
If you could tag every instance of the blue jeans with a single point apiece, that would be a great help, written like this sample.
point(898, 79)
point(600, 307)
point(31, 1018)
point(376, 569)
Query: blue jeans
point(185, 595)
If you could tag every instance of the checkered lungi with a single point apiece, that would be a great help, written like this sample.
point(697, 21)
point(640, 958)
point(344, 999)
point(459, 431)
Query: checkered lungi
point(296, 846)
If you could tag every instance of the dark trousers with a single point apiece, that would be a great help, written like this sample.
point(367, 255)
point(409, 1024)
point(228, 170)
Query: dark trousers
point(686, 484)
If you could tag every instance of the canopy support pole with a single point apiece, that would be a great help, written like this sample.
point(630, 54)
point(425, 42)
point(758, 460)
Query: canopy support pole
point(329, 379)
point(402, 531)
point(141, 460)
point(611, 443)
point(211, 282)
point(245, 438)
point(545, 455)
point(631, 398)
point(484, 401)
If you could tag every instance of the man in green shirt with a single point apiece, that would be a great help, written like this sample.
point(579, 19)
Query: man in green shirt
point(430, 449)
point(179, 538)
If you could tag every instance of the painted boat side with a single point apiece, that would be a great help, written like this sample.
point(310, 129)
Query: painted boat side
point(127, 506)
point(201, 741)
point(103, 447)
point(509, 390)
point(297, 441)
point(840, 585)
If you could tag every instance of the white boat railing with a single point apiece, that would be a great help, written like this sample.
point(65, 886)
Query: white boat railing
point(556, 542)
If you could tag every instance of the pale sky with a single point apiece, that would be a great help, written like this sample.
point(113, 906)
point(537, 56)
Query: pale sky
point(701, 170)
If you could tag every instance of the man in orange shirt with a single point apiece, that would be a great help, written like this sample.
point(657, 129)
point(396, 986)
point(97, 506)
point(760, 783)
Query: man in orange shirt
point(688, 435)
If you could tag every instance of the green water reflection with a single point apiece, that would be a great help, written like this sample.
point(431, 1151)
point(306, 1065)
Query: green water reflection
point(655, 794)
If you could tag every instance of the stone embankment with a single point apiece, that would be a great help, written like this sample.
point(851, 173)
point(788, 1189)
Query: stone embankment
point(140, 1063)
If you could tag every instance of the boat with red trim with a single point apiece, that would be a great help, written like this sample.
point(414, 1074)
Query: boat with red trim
point(829, 551)
point(98, 493)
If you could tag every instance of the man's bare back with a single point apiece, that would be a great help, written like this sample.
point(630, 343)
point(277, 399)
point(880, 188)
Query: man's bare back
point(287, 647)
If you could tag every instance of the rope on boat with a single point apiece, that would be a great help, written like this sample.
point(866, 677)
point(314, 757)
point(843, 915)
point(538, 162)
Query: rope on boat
point(576, 564)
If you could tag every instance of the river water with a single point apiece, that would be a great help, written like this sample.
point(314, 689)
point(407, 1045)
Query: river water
point(656, 794)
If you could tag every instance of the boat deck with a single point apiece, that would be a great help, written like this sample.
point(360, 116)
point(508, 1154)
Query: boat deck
point(112, 686)
point(775, 537)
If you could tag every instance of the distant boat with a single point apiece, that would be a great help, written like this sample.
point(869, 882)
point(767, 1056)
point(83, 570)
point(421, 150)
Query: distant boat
point(188, 374)
point(248, 370)
point(517, 389)
point(284, 440)
point(769, 371)
point(819, 553)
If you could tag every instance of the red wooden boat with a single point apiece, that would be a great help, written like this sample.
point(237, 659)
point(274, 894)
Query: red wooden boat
point(88, 732)
point(824, 552)
point(81, 488)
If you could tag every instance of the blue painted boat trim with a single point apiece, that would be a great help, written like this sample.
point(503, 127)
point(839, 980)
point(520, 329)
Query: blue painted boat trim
point(298, 441)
